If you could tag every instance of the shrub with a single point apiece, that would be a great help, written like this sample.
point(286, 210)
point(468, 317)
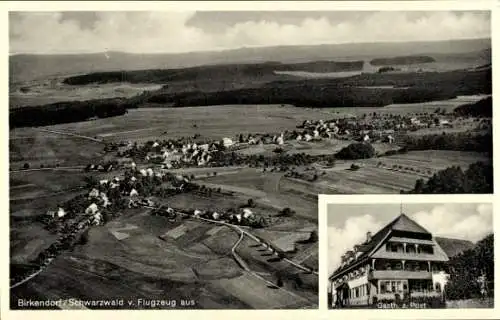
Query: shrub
point(354, 167)
point(251, 203)
point(286, 212)
point(356, 151)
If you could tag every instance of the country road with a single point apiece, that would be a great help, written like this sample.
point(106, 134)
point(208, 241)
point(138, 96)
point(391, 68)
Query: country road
point(73, 168)
point(72, 135)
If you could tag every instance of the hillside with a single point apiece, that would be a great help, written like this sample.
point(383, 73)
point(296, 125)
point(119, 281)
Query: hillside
point(27, 67)
point(247, 72)
point(358, 91)
point(482, 108)
point(402, 60)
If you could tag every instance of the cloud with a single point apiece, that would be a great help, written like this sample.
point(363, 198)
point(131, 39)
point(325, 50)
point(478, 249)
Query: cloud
point(462, 221)
point(353, 232)
point(47, 32)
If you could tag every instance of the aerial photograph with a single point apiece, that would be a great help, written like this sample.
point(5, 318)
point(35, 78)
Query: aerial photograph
point(418, 256)
point(173, 160)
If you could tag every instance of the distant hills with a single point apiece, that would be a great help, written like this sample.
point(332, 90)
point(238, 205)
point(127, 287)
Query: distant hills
point(401, 60)
point(26, 67)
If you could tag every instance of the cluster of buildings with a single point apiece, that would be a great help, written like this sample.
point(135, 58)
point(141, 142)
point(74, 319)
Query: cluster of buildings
point(401, 260)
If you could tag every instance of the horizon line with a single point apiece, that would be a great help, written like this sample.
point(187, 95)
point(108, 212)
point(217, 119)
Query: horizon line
point(246, 47)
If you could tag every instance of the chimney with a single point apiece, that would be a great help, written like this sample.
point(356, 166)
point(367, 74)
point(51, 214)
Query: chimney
point(368, 237)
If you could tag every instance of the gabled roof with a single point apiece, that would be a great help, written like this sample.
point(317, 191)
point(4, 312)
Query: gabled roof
point(403, 223)
point(453, 247)
point(400, 223)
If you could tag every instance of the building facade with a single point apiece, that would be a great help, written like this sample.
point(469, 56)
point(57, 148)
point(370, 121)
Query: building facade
point(402, 263)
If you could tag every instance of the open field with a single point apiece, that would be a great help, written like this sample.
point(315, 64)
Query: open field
point(29, 145)
point(154, 268)
point(386, 178)
point(211, 122)
point(138, 255)
point(52, 90)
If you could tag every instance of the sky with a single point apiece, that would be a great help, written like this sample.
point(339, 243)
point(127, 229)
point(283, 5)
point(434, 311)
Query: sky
point(349, 223)
point(174, 32)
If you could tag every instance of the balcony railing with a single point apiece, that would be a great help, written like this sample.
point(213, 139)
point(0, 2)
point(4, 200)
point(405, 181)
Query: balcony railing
point(414, 294)
point(425, 294)
point(399, 274)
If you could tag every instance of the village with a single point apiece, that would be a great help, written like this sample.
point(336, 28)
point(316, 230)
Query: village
point(137, 186)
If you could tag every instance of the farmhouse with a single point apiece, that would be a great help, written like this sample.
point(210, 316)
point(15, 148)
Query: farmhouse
point(92, 209)
point(61, 213)
point(134, 193)
point(247, 213)
point(94, 193)
point(401, 260)
point(227, 142)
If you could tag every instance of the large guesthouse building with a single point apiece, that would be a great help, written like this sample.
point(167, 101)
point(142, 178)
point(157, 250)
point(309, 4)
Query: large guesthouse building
point(399, 264)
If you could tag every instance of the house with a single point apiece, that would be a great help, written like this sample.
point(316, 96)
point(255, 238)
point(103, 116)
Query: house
point(167, 165)
point(227, 142)
point(280, 140)
point(247, 213)
point(60, 212)
point(238, 217)
point(134, 193)
point(215, 215)
point(103, 182)
point(94, 193)
point(366, 138)
point(105, 200)
point(97, 218)
point(92, 209)
point(390, 139)
point(143, 172)
point(197, 213)
point(402, 259)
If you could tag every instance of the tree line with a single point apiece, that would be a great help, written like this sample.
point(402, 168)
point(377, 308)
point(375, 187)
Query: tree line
point(70, 111)
point(468, 268)
point(477, 179)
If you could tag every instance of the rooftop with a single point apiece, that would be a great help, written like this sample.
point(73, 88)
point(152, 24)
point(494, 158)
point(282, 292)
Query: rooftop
point(403, 224)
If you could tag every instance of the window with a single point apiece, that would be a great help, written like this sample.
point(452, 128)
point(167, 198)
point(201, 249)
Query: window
point(383, 288)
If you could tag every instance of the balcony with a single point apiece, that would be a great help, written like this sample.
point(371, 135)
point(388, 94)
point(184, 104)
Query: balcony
point(425, 294)
point(409, 256)
point(400, 274)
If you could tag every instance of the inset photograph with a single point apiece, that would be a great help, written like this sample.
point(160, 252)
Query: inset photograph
point(410, 255)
